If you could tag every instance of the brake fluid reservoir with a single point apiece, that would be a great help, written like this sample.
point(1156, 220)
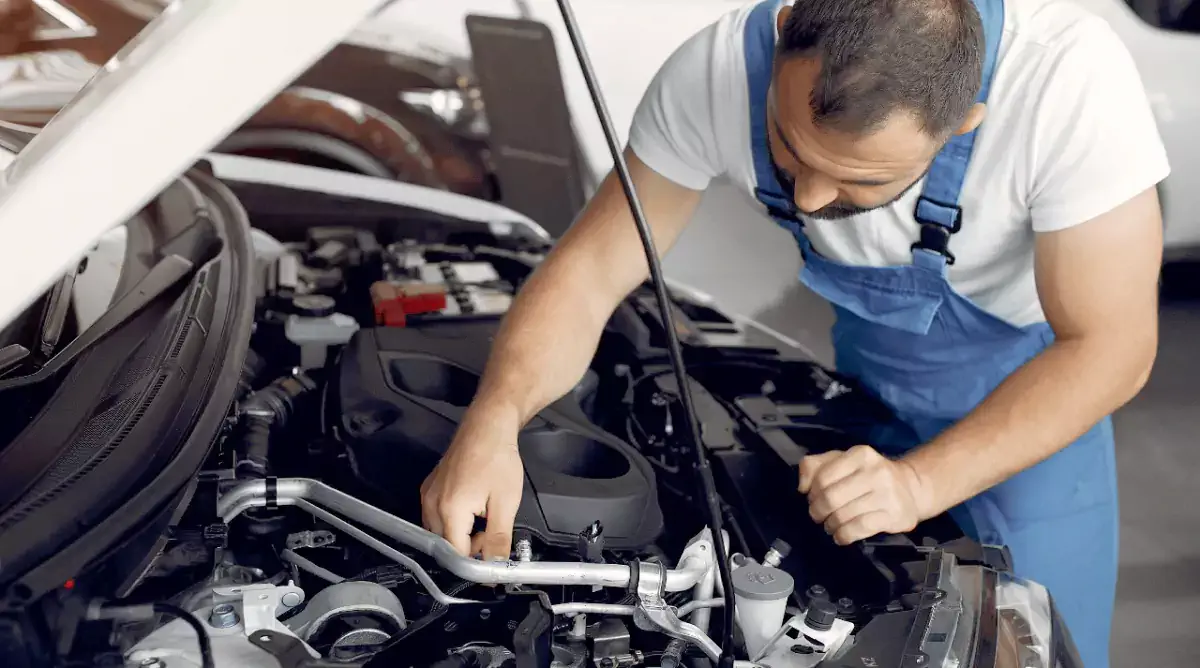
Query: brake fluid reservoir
point(760, 596)
point(314, 335)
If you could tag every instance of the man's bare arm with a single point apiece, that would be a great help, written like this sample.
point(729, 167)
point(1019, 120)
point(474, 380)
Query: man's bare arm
point(542, 350)
point(551, 332)
point(1098, 284)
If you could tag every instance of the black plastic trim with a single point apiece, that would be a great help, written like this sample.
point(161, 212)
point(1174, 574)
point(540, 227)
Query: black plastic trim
point(212, 394)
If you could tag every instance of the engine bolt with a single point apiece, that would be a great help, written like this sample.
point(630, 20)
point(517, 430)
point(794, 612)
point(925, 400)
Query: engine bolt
point(290, 599)
point(524, 550)
point(223, 617)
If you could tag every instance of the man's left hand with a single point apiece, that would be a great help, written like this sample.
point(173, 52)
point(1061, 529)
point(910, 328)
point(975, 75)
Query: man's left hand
point(859, 493)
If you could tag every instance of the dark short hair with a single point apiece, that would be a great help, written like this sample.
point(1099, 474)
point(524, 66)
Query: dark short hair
point(879, 57)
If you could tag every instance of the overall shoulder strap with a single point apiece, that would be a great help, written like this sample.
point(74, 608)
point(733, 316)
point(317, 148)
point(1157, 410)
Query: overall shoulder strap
point(937, 210)
point(759, 48)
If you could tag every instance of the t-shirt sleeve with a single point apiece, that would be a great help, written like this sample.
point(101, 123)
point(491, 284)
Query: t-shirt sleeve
point(1096, 143)
point(673, 129)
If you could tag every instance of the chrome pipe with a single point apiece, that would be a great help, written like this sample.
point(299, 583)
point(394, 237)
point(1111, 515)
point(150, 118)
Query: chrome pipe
point(386, 550)
point(305, 565)
point(313, 495)
point(697, 606)
point(592, 609)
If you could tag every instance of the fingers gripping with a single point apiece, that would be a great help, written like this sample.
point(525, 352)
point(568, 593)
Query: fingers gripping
point(501, 514)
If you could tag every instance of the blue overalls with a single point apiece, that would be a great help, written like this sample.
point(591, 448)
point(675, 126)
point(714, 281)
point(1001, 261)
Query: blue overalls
point(932, 356)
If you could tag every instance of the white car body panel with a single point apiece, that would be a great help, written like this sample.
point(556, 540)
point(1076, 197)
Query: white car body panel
point(194, 75)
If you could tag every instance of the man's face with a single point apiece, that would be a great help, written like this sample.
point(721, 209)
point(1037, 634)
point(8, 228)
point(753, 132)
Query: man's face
point(835, 175)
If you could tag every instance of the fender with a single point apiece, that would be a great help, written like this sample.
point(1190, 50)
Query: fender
point(325, 128)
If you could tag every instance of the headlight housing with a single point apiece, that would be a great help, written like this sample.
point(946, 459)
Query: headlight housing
point(1030, 632)
point(1023, 638)
point(973, 616)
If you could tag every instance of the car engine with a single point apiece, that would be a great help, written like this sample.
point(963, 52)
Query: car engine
point(302, 544)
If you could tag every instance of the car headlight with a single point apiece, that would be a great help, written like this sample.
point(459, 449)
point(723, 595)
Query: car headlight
point(1024, 616)
point(1030, 632)
point(978, 617)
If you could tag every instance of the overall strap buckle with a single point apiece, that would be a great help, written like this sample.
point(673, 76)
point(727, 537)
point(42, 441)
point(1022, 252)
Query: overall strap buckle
point(937, 208)
point(939, 221)
point(937, 239)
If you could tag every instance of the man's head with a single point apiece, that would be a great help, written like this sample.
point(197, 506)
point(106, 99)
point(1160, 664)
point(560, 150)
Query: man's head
point(866, 92)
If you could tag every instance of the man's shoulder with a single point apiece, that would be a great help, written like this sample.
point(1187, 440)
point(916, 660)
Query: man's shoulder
point(692, 122)
point(1046, 29)
point(721, 43)
point(1051, 45)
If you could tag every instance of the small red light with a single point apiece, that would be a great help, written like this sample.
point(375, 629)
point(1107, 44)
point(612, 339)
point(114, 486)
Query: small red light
point(69, 584)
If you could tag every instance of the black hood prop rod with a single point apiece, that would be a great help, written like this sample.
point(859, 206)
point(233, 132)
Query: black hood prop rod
point(674, 351)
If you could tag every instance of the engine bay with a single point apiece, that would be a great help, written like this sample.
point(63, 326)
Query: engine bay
point(302, 542)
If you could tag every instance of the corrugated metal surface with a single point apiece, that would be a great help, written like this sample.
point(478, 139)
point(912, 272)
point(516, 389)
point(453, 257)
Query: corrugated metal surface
point(532, 140)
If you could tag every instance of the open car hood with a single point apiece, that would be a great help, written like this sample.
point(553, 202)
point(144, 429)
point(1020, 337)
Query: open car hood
point(196, 73)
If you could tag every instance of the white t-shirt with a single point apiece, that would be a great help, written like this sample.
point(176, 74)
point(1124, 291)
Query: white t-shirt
point(1069, 135)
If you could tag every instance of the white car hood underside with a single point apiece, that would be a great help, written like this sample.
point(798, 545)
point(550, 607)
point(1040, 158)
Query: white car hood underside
point(190, 78)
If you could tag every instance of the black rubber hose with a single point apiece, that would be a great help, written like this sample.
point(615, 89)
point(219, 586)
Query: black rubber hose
point(467, 659)
point(250, 371)
point(256, 445)
point(708, 485)
point(262, 413)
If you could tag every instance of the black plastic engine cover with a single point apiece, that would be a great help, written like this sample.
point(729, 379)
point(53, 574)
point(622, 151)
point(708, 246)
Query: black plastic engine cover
point(399, 395)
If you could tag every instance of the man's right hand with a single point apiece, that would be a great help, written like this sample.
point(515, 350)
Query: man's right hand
point(480, 475)
point(543, 348)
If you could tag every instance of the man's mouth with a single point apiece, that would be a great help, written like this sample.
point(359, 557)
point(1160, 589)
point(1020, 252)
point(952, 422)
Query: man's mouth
point(834, 212)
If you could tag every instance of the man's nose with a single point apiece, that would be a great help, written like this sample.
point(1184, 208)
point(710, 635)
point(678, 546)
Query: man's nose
point(814, 192)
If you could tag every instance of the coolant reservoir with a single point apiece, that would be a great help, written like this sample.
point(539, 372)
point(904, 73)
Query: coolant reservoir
point(761, 595)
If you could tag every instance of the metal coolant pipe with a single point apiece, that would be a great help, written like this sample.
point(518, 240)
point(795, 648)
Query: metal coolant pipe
point(287, 491)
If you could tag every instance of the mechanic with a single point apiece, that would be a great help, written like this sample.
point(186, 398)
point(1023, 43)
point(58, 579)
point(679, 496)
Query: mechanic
point(972, 185)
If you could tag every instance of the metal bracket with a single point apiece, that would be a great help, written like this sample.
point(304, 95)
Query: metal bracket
point(425, 640)
point(262, 604)
point(653, 613)
point(301, 539)
point(291, 652)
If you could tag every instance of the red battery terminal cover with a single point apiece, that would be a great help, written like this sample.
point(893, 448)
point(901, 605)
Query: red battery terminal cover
point(394, 302)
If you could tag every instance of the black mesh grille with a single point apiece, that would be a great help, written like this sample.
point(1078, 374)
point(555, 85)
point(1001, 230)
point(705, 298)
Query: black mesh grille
point(101, 435)
point(134, 371)
point(182, 338)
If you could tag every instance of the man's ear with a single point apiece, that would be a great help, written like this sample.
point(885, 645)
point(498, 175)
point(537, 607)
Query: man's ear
point(784, 12)
point(974, 118)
